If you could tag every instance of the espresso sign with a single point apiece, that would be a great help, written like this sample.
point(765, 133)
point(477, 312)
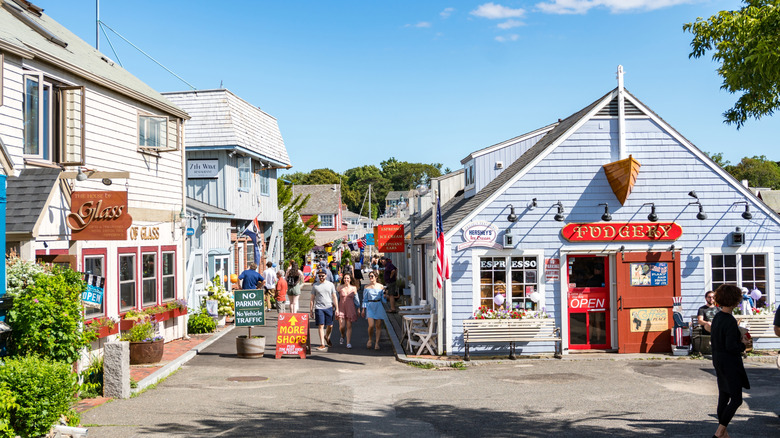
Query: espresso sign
point(98, 216)
point(621, 232)
point(390, 238)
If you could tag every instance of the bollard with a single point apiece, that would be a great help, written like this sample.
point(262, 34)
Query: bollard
point(116, 370)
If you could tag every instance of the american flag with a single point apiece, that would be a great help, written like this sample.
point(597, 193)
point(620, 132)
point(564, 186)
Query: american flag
point(442, 261)
point(362, 242)
point(252, 231)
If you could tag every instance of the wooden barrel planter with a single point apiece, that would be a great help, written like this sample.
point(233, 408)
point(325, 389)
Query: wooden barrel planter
point(146, 352)
point(250, 347)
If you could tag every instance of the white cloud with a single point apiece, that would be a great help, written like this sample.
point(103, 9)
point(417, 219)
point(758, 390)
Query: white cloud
point(615, 6)
point(503, 39)
point(510, 24)
point(493, 11)
point(423, 24)
point(446, 12)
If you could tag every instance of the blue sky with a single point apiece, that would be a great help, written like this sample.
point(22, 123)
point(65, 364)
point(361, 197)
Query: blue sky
point(356, 82)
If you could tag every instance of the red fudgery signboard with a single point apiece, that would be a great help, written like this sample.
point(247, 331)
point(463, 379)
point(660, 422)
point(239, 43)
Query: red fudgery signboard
point(621, 232)
point(390, 238)
point(292, 334)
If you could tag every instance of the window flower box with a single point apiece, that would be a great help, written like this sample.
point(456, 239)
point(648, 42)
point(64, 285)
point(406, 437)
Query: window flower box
point(104, 332)
point(102, 327)
point(179, 312)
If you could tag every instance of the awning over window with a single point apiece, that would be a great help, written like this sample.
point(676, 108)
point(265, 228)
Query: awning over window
point(28, 196)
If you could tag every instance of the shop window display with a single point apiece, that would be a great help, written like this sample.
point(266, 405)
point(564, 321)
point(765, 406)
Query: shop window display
point(514, 279)
point(745, 270)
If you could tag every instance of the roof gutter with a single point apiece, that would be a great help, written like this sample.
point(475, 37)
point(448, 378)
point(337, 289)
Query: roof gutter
point(275, 164)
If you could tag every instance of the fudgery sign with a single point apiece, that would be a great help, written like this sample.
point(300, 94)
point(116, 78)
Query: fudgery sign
point(98, 216)
point(621, 232)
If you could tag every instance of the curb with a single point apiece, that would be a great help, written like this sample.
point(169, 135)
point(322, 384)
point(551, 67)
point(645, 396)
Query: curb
point(175, 364)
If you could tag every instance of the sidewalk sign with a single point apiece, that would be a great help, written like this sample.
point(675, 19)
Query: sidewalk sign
point(250, 310)
point(292, 334)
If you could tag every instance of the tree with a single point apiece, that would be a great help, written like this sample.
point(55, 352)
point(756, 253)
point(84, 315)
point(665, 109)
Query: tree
point(718, 159)
point(759, 171)
point(298, 235)
point(745, 42)
point(358, 179)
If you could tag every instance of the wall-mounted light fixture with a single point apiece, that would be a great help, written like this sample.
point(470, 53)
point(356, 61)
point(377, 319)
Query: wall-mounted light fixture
point(508, 240)
point(701, 215)
point(622, 252)
point(559, 216)
point(652, 217)
point(511, 217)
point(532, 204)
point(203, 223)
point(747, 215)
point(606, 217)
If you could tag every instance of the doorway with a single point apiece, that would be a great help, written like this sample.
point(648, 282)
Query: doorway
point(588, 301)
point(646, 283)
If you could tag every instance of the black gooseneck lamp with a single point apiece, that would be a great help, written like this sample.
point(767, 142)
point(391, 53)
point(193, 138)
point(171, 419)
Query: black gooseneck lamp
point(559, 216)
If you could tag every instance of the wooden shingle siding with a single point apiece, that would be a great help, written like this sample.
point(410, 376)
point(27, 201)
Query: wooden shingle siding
point(572, 173)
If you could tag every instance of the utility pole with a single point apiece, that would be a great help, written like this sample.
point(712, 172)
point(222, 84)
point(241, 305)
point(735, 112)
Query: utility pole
point(97, 25)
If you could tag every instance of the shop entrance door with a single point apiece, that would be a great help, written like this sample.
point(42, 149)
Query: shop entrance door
point(646, 283)
point(588, 298)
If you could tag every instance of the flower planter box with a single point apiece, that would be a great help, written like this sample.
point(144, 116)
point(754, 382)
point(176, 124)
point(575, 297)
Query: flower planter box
point(104, 332)
point(127, 324)
point(146, 352)
point(179, 312)
point(162, 316)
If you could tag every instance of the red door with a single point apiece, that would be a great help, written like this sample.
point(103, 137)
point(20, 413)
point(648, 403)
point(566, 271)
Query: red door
point(588, 301)
point(646, 283)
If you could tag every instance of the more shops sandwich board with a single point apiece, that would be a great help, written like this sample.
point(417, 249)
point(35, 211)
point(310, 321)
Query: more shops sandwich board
point(292, 335)
point(250, 308)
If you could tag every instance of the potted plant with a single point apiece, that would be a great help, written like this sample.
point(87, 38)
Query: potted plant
point(250, 347)
point(224, 299)
point(158, 313)
point(145, 347)
point(177, 308)
point(129, 319)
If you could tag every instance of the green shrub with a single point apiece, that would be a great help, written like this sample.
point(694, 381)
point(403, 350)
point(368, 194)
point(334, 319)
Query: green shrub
point(20, 274)
point(143, 332)
point(201, 323)
point(91, 379)
point(44, 390)
point(46, 317)
point(7, 405)
point(225, 302)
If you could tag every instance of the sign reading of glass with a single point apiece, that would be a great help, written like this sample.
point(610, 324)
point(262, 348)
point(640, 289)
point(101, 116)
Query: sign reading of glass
point(649, 274)
point(250, 310)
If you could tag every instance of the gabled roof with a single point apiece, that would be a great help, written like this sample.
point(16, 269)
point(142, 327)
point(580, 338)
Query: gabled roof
point(27, 196)
point(221, 119)
point(325, 198)
point(771, 198)
point(459, 207)
point(396, 195)
point(42, 38)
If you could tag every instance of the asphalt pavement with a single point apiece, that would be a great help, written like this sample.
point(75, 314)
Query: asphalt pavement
point(361, 392)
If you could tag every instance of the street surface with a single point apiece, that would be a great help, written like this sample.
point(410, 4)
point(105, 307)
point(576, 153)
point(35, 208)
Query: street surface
point(363, 393)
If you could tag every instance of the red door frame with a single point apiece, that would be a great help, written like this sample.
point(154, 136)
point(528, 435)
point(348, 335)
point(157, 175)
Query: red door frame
point(591, 304)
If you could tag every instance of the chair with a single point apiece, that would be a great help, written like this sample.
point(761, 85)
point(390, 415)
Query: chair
point(427, 337)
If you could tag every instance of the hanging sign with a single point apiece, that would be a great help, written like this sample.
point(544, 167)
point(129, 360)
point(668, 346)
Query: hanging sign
point(292, 334)
point(98, 216)
point(390, 238)
point(93, 295)
point(197, 169)
point(649, 274)
point(649, 320)
point(250, 310)
point(369, 238)
point(621, 232)
point(479, 233)
point(190, 231)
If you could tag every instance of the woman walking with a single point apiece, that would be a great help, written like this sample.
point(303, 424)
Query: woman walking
point(728, 343)
point(294, 284)
point(348, 303)
point(373, 297)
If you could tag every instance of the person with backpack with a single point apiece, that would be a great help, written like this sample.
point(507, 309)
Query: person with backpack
point(294, 284)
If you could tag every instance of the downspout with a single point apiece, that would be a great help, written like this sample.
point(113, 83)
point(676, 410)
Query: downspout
point(621, 116)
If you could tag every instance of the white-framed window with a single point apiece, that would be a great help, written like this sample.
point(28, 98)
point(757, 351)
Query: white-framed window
point(168, 275)
point(158, 133)
point(516, 277)
point(126, 282)
point(95, 265)
point(149, 278)
point(244, 173)
point(37, 106)
point(744, 270)
point(326, 220)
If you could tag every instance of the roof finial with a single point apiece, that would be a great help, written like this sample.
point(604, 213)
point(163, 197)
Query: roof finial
point(621, 115)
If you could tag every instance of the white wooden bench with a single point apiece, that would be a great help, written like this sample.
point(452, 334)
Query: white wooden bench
point(480, 331)
point(759, 326)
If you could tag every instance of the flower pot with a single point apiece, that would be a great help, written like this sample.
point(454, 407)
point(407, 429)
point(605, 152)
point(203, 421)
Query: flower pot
point(221, 320)
point(146, 352)
point(250, 348)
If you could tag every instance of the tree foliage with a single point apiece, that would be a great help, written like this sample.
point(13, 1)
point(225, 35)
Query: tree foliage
point(758, 170)
point(745, 42)
point(298, 235)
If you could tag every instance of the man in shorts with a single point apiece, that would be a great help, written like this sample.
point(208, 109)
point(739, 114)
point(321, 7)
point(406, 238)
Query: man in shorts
point(324, 301)
point(391, 275)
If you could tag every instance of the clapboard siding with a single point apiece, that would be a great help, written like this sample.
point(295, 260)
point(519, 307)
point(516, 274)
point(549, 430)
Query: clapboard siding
point(572, 173)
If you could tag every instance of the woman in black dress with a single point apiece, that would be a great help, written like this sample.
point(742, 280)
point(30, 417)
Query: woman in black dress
point(728, 343)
